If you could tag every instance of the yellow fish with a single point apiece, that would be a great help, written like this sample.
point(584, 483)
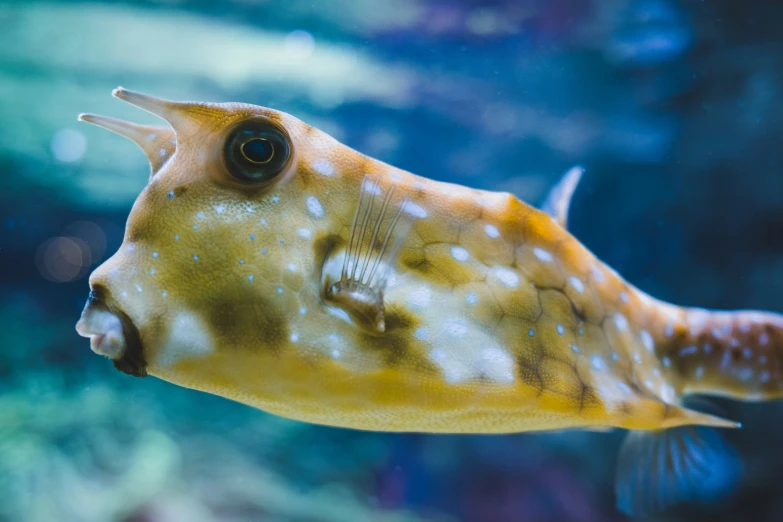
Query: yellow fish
point(267, 263)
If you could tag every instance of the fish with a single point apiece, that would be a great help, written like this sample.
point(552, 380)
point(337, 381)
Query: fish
point(267, 263)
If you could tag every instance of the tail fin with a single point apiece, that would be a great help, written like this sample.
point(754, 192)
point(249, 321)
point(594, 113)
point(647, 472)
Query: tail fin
point(731, 354)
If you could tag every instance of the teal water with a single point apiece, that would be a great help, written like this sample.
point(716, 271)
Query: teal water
point(674, 108)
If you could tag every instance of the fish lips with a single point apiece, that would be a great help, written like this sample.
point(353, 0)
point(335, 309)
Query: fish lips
point(112, 334)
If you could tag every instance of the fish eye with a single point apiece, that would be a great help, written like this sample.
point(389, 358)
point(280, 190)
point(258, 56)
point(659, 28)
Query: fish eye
point(256, 151)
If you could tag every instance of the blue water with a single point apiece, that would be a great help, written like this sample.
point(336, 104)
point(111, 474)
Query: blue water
point(675, 109)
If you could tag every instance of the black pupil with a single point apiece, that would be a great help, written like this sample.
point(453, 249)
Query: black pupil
point(258, 150)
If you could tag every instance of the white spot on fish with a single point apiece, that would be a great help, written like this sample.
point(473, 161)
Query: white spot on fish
point(471, 298)
point(491, 231)
point(542, 255)
point(762, 359)
point(598, 275)
point(336, 354)
point(577, 284)
point(637, 358)
point(456, 327)
point(707, 348)
point(189, 338)
point(624, 297)
point(304, 233)
point(219, 208)
point(745, 374)
point(323, 167)
point(497, 364)
point(152, 136)
point(138, 288)
point(764, 376)
point(294, 337)
point(597, 362)
point(372, 188)
point(421, 334)
point(153, 271)
point(314, 207)
point(195, 227)
point(615, 357)
point(531, 333)
point(667, 362)
point(415, 210)
point(250, 277)
point(162, 152)
point(291, 267)
point(264, 221)
point(669, 330)
point(176, 238)
point(302, 310)
point(164, 293)
point(560, 329)
point(574, 348)
point(747, 352)
point(459, 253)
point(200, 215)
point(699, 373)
point(195, 258)
point(620, 322)
point(763, 339)
point(507, 276)
point(130, 248)
point(647, 340)
point(420, 297)
point(275, 199)
point(667, 393)
point(279, 290)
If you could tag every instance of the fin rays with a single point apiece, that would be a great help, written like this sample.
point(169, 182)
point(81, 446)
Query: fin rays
point(366, 263)
point(659, 469)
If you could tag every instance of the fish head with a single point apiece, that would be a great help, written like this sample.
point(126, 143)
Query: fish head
point(222, 248)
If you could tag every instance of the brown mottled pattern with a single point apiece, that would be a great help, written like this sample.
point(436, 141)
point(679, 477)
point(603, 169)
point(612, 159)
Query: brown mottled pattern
point(495, 319)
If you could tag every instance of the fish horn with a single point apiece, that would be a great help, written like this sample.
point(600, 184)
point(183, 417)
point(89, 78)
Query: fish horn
point(184, 117)
point(157, 142)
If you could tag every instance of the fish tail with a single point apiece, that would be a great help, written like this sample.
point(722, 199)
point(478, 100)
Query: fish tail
point(731, 354)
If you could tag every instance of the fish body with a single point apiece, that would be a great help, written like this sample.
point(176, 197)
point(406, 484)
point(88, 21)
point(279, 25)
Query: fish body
point(267, 263)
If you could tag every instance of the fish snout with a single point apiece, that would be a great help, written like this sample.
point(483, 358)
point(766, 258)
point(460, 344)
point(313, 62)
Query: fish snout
point(112, 334)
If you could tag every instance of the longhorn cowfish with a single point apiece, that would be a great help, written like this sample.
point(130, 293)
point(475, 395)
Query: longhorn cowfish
point(267, 263)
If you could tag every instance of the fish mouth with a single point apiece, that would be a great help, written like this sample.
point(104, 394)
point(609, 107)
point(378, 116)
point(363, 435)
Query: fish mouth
point(112, 334)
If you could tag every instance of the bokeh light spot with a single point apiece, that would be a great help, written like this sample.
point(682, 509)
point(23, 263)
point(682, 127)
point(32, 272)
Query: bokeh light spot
point(68, 145)
point(299, 45)
point(63, 259)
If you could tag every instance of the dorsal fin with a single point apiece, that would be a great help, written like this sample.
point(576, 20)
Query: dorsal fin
point(559, 199)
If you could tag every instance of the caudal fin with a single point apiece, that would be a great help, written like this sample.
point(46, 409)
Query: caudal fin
point(732, 354)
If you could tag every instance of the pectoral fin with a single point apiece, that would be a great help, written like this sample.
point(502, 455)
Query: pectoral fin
point(559, 199)
point(659, 469)
point(379, 228)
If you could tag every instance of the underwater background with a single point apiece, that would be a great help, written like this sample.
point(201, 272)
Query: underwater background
point(675, 109)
